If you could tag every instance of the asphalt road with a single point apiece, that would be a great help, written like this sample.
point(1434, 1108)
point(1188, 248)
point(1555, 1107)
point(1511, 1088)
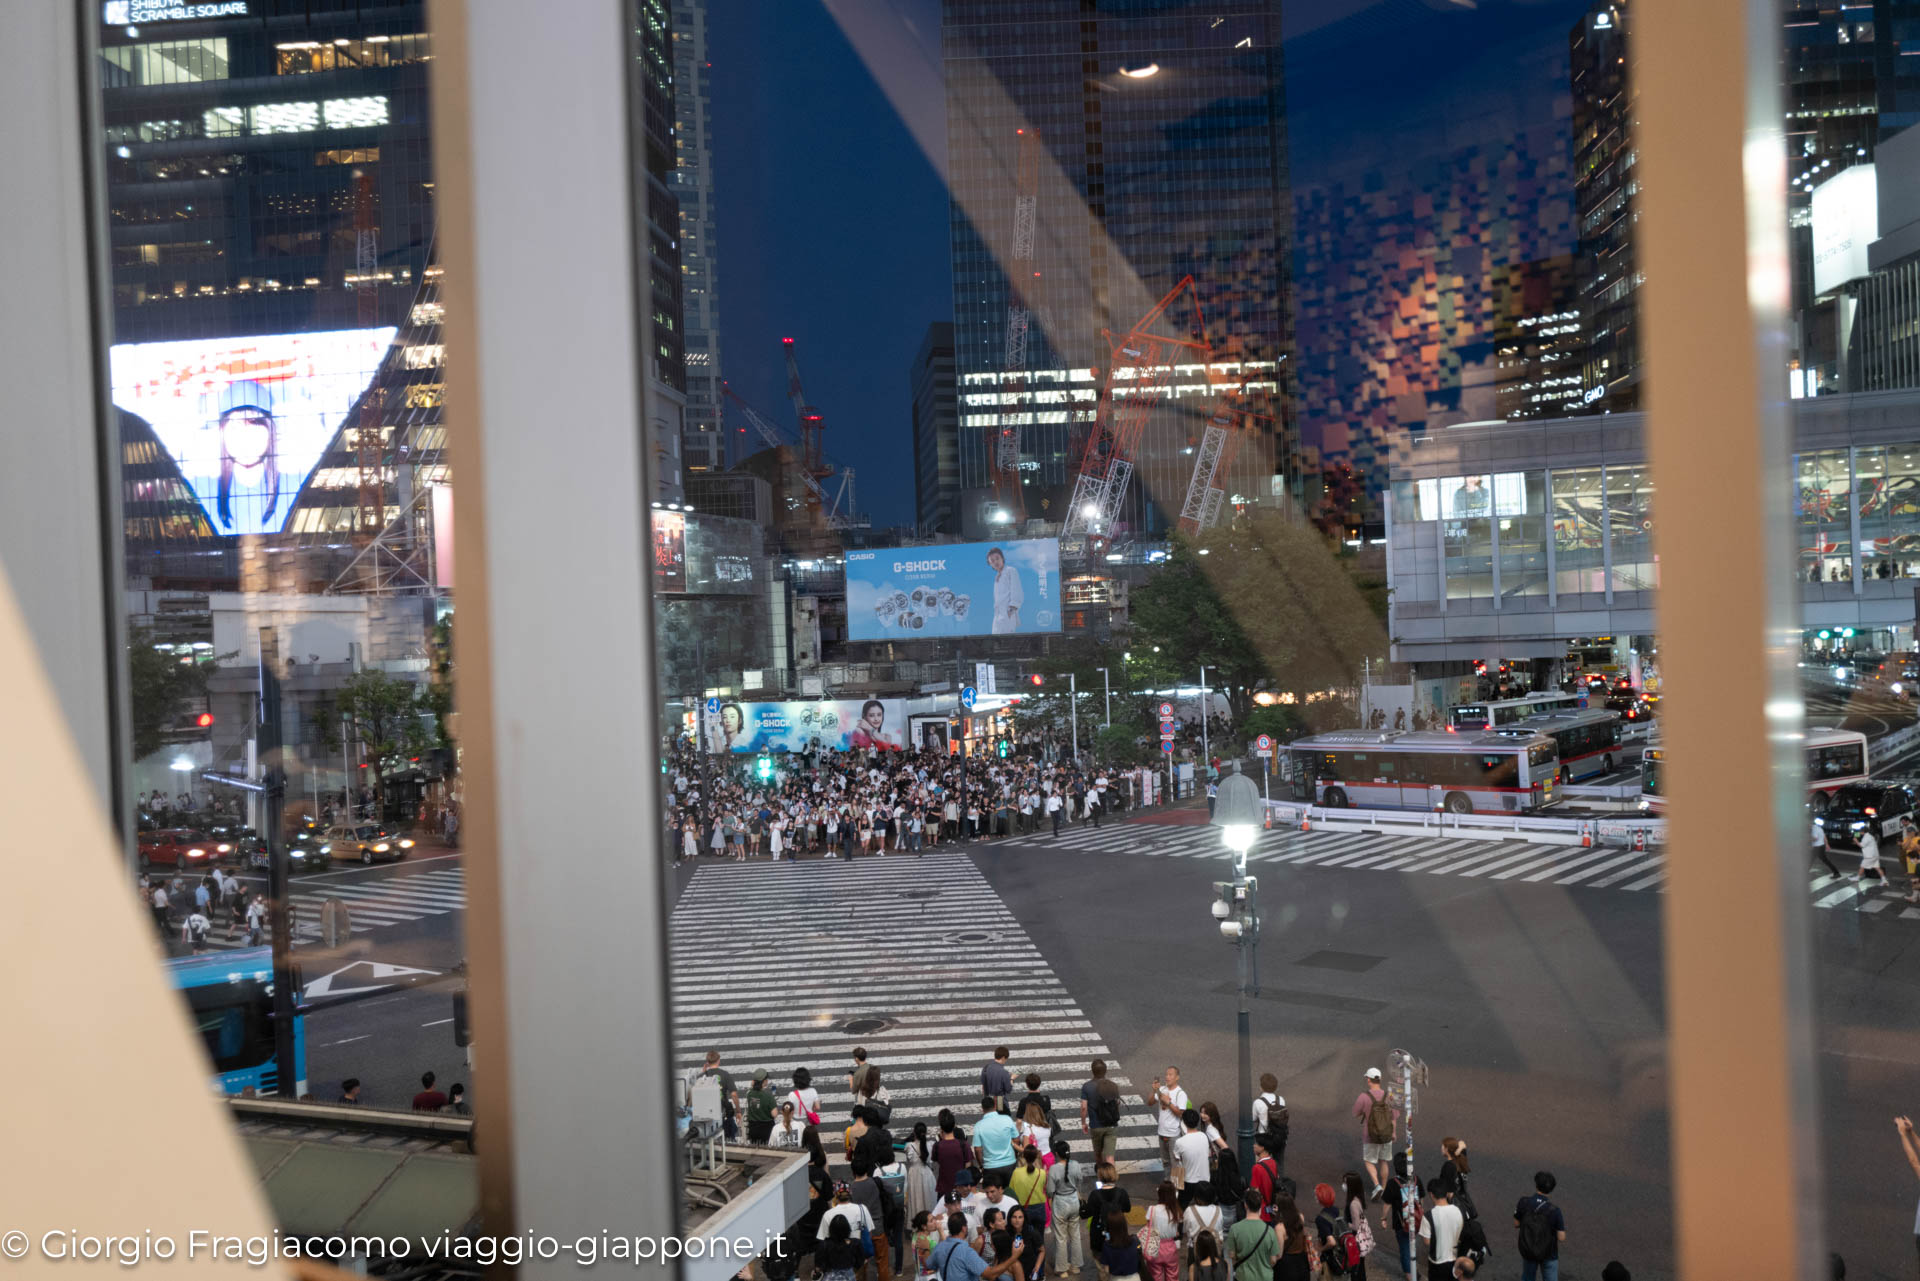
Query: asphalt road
point(1538, 1008)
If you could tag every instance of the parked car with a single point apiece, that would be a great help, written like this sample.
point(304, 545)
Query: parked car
point(366, 842)
point(1851, 808)
point(183, 847)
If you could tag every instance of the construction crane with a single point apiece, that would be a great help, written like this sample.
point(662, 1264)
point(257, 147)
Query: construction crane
point(1142, 362)
point(811, 419)
point(1004, 437)
point(835, 508)
point(1226, 429)
point(372, 517)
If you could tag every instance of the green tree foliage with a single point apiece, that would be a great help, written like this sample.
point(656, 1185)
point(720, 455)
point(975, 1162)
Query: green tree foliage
point(390, 719)
point(160, 687)
point(1265, 604)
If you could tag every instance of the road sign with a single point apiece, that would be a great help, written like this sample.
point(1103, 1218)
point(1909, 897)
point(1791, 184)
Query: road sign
point(1263, 746)
point(1166, 745)
point(713, 707)
point(968, 696)
point(1166, 711)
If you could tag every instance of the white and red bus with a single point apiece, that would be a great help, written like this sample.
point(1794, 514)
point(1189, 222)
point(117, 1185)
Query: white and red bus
point(1588, 740)
point(1501, 713)
point(1502, 772)
point(1835, 758)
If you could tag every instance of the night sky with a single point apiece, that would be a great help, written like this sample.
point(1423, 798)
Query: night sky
point(833, 219)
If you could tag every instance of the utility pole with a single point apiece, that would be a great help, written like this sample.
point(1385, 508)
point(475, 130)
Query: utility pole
point(1239, 815)
point(280, 910)
point(1073, 714)
point(1206, 753)
point(1107, 682)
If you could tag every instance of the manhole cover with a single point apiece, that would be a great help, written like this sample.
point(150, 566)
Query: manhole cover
point(864, 1024)
point(971, 937)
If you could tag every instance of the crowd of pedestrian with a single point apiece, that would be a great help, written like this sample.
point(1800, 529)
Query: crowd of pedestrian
point(1034, 1190)
point(192, 913)
point(840, 804)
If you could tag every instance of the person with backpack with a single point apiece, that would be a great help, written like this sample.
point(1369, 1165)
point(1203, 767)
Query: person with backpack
point(760, 1108)
point(729, 1095)
point(1403, 1212)
point(1265, 1181)
point(1100, 1112)
point(1270, 1117)
point(1107, 1199)
point(1203, 1219)
point(1453, 1172)
point(1541, 1229)
point(1340, 1252)
point(1252, 1245)
point(1440, 1234)
point(1377, 1117)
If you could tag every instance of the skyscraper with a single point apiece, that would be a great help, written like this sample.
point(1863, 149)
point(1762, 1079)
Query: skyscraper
point(936, 434)
point(704, 440)
point(1162, 153)
point(1605, 191)
point(666, 360)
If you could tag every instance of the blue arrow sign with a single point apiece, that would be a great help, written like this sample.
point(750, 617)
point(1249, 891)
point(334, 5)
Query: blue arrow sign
point(713, 707)
point(967, 696)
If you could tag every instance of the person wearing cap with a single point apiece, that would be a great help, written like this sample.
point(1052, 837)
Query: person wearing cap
point(760, 1104)
point(1377, 1117)
point(238, 472)
point(845, 1207)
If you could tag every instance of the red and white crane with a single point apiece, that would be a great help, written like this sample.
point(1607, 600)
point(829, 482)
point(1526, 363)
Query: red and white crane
point(1141, 365)
point(835, 508)
point(811, 420)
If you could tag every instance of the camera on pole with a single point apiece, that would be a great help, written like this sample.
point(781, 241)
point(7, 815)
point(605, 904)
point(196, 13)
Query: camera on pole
point(1233, 908)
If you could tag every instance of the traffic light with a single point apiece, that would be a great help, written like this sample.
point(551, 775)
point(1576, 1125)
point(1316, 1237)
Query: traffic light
point(1037, 680)
point(763, 768)
point(1003, 748)
point(203, 720)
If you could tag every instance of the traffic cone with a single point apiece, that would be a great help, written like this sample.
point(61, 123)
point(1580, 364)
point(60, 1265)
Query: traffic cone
point(1586, 836)
point(1306, 820)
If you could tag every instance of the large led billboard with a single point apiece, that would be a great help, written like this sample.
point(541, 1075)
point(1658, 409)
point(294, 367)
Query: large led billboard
point(247, 419)
point(796, 727)
point(958, 589)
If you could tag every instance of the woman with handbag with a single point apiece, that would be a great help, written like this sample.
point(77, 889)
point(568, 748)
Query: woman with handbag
point(1160, 1237)
point(806, 1099)
point(1028, 1183)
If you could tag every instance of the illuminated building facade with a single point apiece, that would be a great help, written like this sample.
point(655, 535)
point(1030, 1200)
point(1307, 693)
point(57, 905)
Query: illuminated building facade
point(1162, 154)
point(704, 439)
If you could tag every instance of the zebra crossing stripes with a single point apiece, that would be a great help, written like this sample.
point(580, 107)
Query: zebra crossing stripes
point(371, 905)
point(794, 964)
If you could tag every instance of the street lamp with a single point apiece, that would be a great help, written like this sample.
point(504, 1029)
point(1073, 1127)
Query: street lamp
point(1239, 814)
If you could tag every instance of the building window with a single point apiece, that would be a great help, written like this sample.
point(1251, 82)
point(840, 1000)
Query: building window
point(1521, 508)
point(1579, 549)
point(1630, 516)
point(1823, 502)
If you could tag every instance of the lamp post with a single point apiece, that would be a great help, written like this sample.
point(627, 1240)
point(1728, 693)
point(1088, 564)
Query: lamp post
point(1073, 713)
point(1239, 815)
point(1106, 683)
point(1206, 753)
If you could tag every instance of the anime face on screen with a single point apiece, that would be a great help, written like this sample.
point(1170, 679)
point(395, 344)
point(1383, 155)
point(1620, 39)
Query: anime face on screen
point(245, 420)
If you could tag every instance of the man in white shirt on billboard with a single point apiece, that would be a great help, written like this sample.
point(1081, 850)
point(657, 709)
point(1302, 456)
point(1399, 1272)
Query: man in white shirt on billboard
point(1008, 596)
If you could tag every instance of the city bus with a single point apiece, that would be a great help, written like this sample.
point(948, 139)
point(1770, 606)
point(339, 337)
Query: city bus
point(1510, 711)
point(1588, 740)
point(1835, 758)
point(1498, 772)
point(230, 996)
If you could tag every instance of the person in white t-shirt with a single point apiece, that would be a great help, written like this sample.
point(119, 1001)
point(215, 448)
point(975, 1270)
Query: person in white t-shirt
point(1191, 1151)
point(1440, 1230)
point(1169, 1102)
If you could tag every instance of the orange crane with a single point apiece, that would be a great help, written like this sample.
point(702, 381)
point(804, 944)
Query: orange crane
point(1003, 452)
point(367, 444)
point(1142, 362)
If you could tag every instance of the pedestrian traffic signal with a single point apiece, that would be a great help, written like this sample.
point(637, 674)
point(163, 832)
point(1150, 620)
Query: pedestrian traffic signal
point(203, 720)
point(1003, 748)
point(763, 768)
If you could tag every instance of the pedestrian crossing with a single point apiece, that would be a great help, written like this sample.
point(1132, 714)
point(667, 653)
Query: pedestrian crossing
point(370, 904)
point(794, 964)
point(1492, 860)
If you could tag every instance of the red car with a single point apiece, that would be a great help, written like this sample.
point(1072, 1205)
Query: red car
point(181, 847)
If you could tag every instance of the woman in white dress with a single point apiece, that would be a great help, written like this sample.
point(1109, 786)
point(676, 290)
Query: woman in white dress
point(775, 831)
point(921, 1193)
point(689, 840)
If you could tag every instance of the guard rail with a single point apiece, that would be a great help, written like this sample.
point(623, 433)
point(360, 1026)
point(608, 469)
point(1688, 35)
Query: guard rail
point(1537, 828)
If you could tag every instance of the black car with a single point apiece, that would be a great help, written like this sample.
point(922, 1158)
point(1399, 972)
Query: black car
point(1851, 808)
point(1633, 709)
point(302, 856)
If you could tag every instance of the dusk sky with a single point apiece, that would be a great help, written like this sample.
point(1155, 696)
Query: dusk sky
point(833, 219)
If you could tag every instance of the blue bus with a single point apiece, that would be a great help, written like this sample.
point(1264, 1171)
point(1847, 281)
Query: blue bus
point(230, 995)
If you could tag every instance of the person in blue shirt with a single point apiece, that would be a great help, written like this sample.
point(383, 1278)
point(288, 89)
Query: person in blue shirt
point(993, 1139)
point(955, 1260)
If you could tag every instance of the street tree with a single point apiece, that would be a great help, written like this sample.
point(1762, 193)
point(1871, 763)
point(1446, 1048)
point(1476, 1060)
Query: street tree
point(1264, 604)
point(161, 686)
point(390, 719)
